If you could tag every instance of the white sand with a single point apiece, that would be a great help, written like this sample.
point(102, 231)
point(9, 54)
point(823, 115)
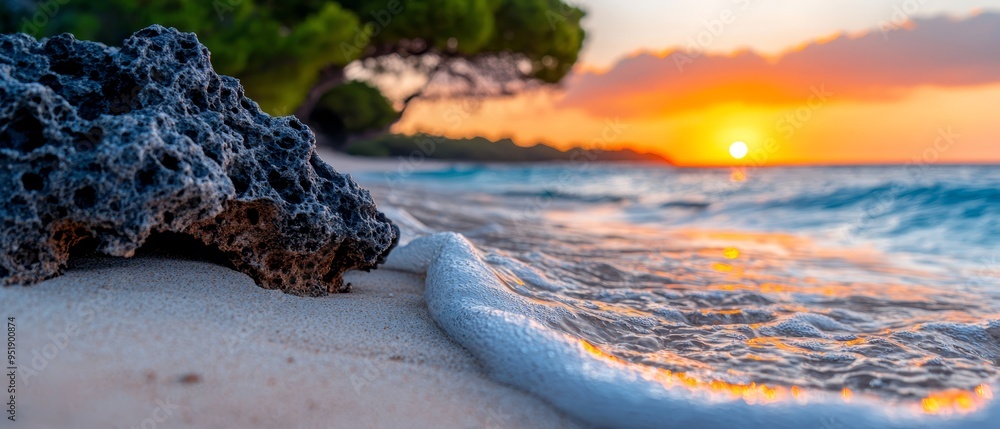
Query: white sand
point(112, 340)
point(108, 344)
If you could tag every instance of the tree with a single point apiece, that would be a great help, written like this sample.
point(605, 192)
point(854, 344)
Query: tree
point(465, 47)
point(290, 53)
point(275, 55)
point(352, 110)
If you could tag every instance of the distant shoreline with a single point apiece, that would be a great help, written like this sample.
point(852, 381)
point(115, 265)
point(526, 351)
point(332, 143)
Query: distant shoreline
point(479, 149)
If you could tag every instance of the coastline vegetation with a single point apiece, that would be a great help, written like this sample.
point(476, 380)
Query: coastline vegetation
point(337, 64)
point(479, 149)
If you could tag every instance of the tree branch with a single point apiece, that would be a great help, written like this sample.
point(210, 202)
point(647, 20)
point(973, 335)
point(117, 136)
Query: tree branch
point(444, 62)
point(330, 77)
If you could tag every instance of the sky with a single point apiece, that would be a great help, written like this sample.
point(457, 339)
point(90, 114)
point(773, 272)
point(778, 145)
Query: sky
point(801, 82)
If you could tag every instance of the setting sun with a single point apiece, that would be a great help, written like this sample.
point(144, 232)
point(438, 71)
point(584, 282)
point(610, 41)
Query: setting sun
point(730, 213)
point(738, 150)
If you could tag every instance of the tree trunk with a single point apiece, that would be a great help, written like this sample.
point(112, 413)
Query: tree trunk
point(330, 77)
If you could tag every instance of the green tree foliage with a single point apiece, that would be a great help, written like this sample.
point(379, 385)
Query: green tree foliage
point(482, 47)
point(352, 109)
point(276, 59)
point(289, 53)
point(479, 149)
point(474, 149)
point(547, 32)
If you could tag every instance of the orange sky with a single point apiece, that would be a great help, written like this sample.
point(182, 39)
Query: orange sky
point(926, 93)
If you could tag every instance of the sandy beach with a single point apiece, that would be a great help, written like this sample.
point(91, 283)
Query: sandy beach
point(500, 214)
point(159, 342)
point(150, 342)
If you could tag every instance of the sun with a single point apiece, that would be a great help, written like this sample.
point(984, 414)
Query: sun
point(738, 150)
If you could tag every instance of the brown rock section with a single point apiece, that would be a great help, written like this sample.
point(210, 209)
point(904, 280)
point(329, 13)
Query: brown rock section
point(110, 146)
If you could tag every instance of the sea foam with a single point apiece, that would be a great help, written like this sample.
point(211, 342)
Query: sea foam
point(508, 334)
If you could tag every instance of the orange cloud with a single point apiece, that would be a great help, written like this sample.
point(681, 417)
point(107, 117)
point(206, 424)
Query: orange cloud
point(877, 66)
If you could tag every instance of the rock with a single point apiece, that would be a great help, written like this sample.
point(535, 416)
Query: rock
point(107, 147)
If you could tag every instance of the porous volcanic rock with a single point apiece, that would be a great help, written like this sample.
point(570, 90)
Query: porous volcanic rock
point(110, 146)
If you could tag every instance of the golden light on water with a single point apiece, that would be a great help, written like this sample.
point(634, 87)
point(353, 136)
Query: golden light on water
point(731, 253)
point(751, 393)
point(847, 394)
point(722, 268)
point(728, 253)
point(738, 150)
point(956, 400)
point(944, 402)
point(984, 391)
point(725, 251)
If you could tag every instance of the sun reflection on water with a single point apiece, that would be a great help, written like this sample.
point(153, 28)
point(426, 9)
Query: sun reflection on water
point(943, 402)
point(756, 275)
point(751, 315)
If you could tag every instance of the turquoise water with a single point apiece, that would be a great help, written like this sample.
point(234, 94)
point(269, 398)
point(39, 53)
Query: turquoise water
point(865, 282)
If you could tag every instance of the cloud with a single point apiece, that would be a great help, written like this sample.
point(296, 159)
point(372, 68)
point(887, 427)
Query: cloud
point(876, 66)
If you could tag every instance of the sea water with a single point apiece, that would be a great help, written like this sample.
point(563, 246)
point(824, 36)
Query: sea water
point(650, 296)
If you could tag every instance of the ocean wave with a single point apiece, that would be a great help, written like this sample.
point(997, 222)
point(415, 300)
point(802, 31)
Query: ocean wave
point(935, 196)
point(932, 211)
point(683, 204)
point(548, 194)
point(687, 294)
point(511, 334)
